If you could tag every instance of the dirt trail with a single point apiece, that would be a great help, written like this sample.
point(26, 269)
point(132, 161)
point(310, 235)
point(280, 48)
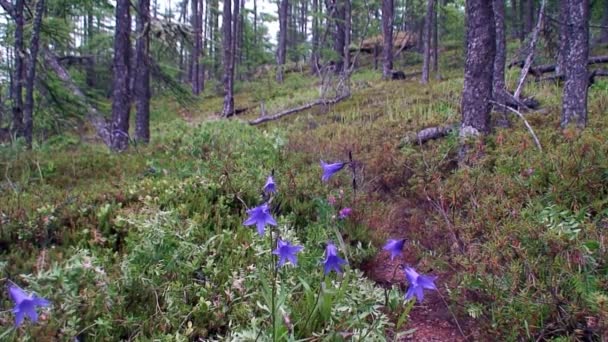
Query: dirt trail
point(430, 320)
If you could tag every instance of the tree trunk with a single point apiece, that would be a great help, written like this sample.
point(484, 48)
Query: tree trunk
point(529, 16)
point(236, 18)
point(387, 37)
point(339, 21)
point(314, 56)
point(347, 37)
point(121, 99)
point(195, 57)
point(255, 22)
point(428, 27)
point(31, 74)
point(282, 47)
point(17, 126)
point(514, 21)
point(201, 66)
point(604, 30)
point(142, 74)
point(228, 68)
point(574, 101)
point(435, 45)
point(562, 53)
point(90, 65)
point(522, 14)
point(501, 54)
point(479, 66)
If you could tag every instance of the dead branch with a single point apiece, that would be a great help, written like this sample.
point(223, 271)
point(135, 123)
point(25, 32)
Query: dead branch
point(546, 68)
point(530, 57)
point(536, 141)
point(95, 118)
point(321, 102)
point(429, 133)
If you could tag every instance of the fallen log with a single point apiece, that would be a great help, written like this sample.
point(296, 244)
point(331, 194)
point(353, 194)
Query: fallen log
point(429, 133)
point(561, 78)
point(538, 70)
point(295, 110)
point(93, 116)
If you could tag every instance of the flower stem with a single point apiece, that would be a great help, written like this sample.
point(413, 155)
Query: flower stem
point(314, 307)
point(453, 316)
point(274, 285)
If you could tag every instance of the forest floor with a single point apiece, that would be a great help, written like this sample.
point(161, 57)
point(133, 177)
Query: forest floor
point(516, 236)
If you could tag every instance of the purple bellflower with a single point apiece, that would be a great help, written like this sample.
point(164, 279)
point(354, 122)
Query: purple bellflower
point(330, 169)
point(418, 283)
point(25, 305)
point(270, 186)
point(395, 247)
point(332, 261)
point(344, 213)
point(287, 252)
point(260, 216)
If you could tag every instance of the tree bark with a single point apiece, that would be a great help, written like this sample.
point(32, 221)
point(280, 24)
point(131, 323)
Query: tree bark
point(500, 59)
point(387, 37)
point(347, 37)
point(514, 22)
point(528, 16)
point(31, 74)
point(339, 22)
point(121, 99)
point(562, 53)
point(282, 47)
point(604, 29)
point(428, 23)
point(574, 101)
point(94, 117)
point(228, 108)
point(314, 56)
point(195, 58)
point(142, 74)
point(479, 66)
point(435, 45)
point(17, 126)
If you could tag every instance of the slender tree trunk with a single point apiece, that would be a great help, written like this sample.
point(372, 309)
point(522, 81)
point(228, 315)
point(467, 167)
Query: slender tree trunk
point(428, 27)
point(228, 68)
point(31, 74)
point(339, 22)
point(574, 101)
point(196, 68)
point(255, 22)
point(514, 22)
point(282, 47)
point(435, 45)
point(314, 57)
point(121, 100)
point(479, 66)
point(604, 30)
point(529, 16)
point(564, 45)
point(17, 126)
point(501, 55)
point(202, 24)
point(347, 37)
point(142, 74)
point(521, 26)
point(387, 37)
point(90, 62)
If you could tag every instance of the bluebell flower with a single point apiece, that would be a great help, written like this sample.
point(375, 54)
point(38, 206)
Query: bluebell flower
point(287, 252)
point(344, 213)
point(260, 216)
point(25, 305)
point(417, 284)
point(330, 169)
point(270, 186)
point(395, 247)
point(332, 261)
